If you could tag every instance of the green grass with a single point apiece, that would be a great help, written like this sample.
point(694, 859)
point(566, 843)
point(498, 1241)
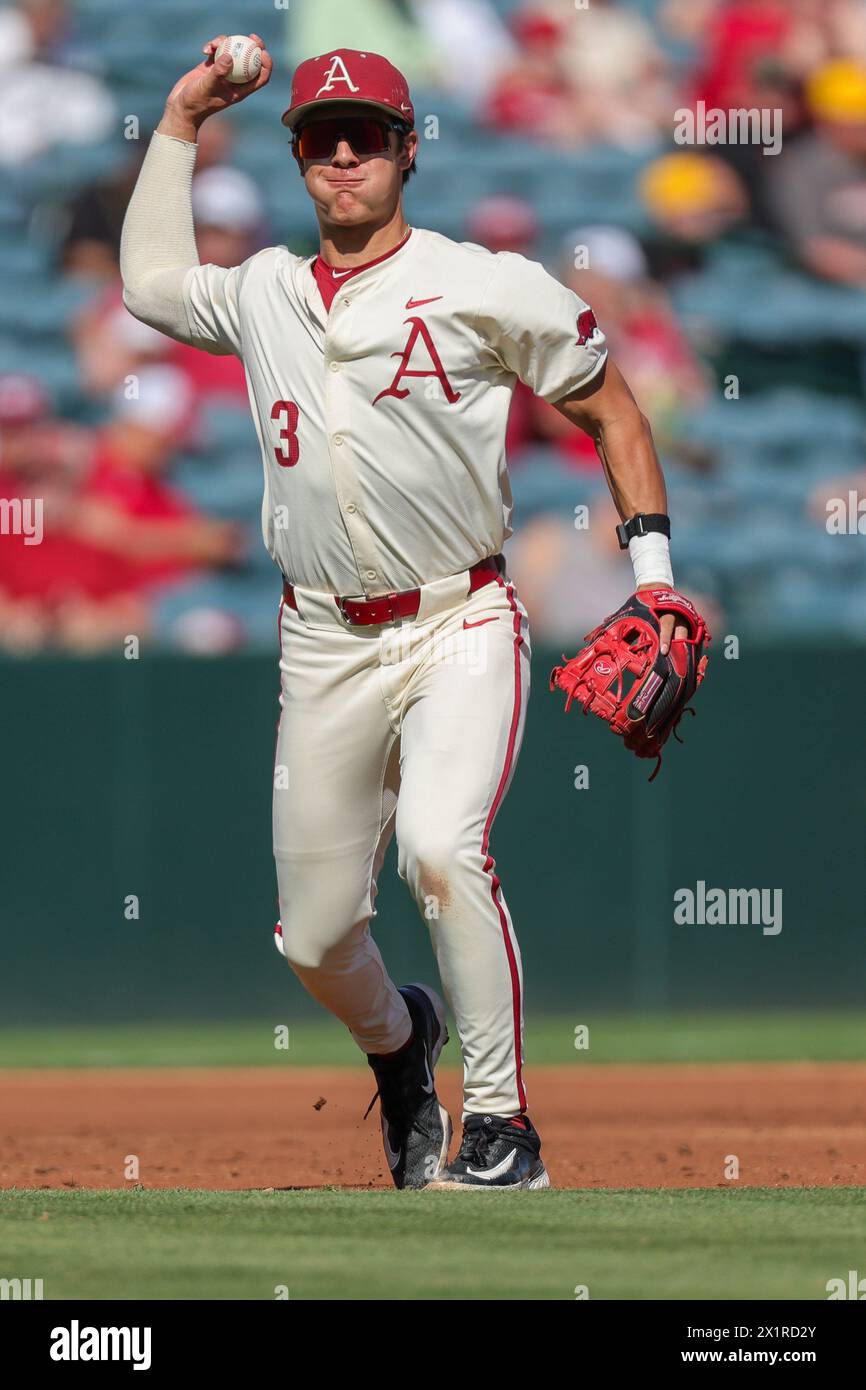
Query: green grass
point(750, 1243)
point(762, 1036)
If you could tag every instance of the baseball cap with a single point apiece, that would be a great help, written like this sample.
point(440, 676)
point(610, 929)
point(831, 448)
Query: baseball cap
point(22, 399)
point(682, 183)
point(226, 197)
point(836, 91)
point(163, 401)
point(345, 74)
point(502, 220)
point(613, 251)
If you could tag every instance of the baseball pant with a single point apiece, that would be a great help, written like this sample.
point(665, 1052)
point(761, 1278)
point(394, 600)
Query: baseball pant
point(410, 728)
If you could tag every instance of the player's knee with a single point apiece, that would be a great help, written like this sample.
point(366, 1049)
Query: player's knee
point(302, 948)
point(427, 862)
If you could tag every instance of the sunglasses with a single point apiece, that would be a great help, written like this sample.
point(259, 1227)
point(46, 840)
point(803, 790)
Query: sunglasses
point(365, 134)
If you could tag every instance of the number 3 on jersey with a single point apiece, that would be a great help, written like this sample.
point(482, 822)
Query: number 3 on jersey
point(286, 449)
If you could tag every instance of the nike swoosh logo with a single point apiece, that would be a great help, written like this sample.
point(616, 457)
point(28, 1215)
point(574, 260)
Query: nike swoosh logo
point(424, 1085)
point(338, 274)
point(392, 1157)
point(415, 303)
point(490, 1173)
point(480, 623)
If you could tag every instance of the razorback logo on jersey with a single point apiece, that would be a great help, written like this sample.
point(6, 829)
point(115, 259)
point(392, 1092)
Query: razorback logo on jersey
point(337, 72)
point(587, 327)
point(435, 368)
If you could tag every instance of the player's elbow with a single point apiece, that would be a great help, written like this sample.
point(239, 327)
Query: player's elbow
point(644, 426)
point(139, 303)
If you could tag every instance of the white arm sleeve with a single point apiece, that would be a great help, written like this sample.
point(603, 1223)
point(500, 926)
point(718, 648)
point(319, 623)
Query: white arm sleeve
point(163, 283)
point(538, 329)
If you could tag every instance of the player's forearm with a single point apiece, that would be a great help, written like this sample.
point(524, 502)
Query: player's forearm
point(634, 475)
point(607, 411)
point(158, 243)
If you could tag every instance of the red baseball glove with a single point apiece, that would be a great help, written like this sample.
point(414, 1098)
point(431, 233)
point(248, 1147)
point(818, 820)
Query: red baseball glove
point(623, 677)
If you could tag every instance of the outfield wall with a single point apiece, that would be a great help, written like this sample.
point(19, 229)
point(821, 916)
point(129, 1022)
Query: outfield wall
point(152, 778)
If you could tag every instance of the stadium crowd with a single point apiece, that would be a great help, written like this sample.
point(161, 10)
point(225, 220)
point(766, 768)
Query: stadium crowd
point(730, 283)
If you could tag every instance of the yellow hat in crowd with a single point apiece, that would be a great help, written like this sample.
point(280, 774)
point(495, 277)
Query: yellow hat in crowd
point(836, 91)
point(680, 183)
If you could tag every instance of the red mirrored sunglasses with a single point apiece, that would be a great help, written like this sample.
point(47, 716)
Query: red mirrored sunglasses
point(365, 134)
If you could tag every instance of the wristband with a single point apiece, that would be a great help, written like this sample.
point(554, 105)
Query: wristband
point(641, 524)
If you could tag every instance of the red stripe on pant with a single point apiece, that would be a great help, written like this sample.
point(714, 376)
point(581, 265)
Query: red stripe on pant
point(488, 860)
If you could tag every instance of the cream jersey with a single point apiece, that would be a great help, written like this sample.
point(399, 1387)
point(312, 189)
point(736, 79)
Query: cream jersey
point(382, 421)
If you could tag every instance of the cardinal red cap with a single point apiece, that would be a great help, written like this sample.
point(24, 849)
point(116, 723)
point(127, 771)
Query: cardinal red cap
point(347, 75)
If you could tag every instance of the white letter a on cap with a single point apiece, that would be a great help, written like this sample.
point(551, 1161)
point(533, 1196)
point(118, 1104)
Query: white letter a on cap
point(336, 73)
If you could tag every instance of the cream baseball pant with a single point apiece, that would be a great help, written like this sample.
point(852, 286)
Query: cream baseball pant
point(410, 728)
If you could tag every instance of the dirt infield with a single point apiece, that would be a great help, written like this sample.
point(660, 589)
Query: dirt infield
point(788, 1124)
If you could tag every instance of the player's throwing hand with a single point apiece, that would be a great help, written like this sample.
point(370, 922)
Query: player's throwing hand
point(206, 89)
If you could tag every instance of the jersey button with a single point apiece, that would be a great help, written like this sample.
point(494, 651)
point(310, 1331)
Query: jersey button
point(335, 366)
point(370, 574)
point(338, 439)
point(350, 507)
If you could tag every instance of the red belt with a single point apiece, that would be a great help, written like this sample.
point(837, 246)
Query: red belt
point(363, 612)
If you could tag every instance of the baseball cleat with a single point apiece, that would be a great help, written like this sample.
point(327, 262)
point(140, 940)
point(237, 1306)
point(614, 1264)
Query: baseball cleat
point(278, 939)
point(501, 1155)
point(416, 1129)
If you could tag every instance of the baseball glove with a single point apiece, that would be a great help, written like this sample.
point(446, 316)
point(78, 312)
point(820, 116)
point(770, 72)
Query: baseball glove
point(623, 677)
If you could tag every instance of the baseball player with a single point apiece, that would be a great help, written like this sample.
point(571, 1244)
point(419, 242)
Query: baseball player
point(380, 373)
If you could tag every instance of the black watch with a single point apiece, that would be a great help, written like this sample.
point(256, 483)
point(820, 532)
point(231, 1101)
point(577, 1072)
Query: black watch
point(640, 525)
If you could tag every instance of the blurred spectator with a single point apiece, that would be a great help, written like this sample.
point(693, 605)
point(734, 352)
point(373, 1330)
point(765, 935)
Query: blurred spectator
point(693, 201)
point(32, 440)
point(748, 63)
point(229, 215)
point(113, 535)
point(593, 74)
point(382, 26)
point(471, 43)
point(533, 96)
point(458, 45)
point(568, 578)
point(112, 345)
point(44, 104)
point(618, 74)
point(819, 184)
point(90, 243)
point(503, 223)
point(642, 332)
point(607, 267)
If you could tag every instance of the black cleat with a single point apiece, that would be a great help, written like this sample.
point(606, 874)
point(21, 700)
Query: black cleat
point(416, 1129)
point(502, 1155)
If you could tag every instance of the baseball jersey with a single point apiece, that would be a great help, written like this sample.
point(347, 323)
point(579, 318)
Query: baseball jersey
point(382, 420)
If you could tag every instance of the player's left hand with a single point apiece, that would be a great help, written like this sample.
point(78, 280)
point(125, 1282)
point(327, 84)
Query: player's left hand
point(658, 638)
point(668, 628)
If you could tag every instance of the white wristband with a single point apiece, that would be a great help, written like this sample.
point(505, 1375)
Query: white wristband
point(651, 558)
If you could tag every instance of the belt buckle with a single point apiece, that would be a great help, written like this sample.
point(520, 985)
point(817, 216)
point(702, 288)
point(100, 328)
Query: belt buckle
point(341, 605)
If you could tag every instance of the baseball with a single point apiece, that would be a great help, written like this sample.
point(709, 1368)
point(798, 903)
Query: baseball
point(246, 57)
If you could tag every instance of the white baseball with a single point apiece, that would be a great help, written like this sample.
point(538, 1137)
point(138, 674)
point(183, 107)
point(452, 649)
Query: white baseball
point(246, 57)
